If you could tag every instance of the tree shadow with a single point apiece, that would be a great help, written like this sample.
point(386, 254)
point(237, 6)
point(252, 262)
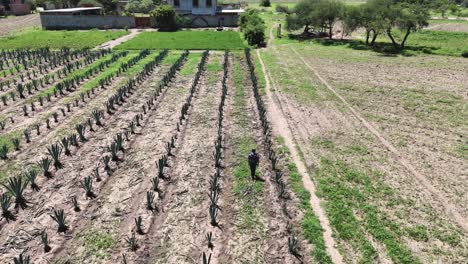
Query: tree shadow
point(383, 48)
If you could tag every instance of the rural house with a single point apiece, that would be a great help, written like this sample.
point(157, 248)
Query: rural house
point(207, 13)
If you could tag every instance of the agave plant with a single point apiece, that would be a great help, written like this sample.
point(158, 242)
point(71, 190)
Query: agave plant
point(106, 161)
point(59, 218)
point(31, 175)
point(47, 123)
point(66, 145)
point(132, 242)
point(113, 149)
point(45, 241)
point(73, 140)
point(55, 151)
point(139, 225)
point(16, 143)
point(4, 152)
point(38, 129)
point(87, 185)
point(21, 259)
point(89, 123)
point(119, 142)
point(25, 110)
point(97, 115)
point(293, 247)
point(213, 210)
point(76, 205)
point(209, 239)
point(206, 260)
point(16, 187)
point(44, 164)
point(150, 201)
point(80, 129)
point(5, 202)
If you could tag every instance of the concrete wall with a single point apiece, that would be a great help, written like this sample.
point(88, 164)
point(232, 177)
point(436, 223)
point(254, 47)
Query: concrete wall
point(224, 20)
point(86, 22)
point(186, 6)
point(20, 9)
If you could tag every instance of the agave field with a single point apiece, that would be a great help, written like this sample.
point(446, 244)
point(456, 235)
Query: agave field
point(140, 157)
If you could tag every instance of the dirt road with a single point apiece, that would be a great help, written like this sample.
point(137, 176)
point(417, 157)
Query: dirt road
point(9, 25)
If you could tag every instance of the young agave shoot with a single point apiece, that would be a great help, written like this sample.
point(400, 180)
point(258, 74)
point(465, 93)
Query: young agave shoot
point(113, 149)
point(293, 247)
point(44, 164)
point(209, 239)
point(55, 116)
point(97, 115)
point(31, 175)
point(47, 123)
point(76, 205)
point(63, 111)
point(96, 174)
point(38, 129)
point(80, 129)
point(55, 150)
point(139, 225)
point(74, 140)
point(5, 201)
point(59, 218)
point(87, 185)
point(66, 145)
point(213, 210)
point(206, 260)
point(119, 142)
point(25, 110)
point(21, 259)
point(132, 242)
point(16, 187)
point(45, 241)
point(106, 161)
point(4, 152)
point(90, 124)
point(16, 143)
point(150, 201)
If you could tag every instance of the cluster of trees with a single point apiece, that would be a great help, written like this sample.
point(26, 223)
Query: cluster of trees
point(377, 17)
point(253, 27)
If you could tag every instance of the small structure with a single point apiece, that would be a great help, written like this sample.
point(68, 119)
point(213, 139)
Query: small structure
point(207, 13)
point(19, 7)
point(83, 18)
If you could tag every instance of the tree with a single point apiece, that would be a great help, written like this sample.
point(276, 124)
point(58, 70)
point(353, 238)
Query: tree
point(328, 13)
point(302, 16)
point(265, 3)
point(139, 6)
point(253, 27)
point(166, 17)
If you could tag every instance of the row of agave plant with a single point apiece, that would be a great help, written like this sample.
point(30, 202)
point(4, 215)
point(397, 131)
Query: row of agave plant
point(13, 57)
point(16, 186)
point(42, 63)
point(45, 67)
point(162, 162)
point(35, 85)
point(215, 185)
point(15, 141)
point(266, 129)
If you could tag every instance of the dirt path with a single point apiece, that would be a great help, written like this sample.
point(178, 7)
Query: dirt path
point(281, 126)
point(449, 207)
point(10, 25)
point(112, 43)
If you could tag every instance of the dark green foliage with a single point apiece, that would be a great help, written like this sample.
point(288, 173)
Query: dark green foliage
point(45, 241)
point(87, 185)
point(4, 152)
point(206, 260)
point(16, 143)
point(132, 242)
point(55, 151)
point(66, 145)
point(150, 201)
point(27, 135)
point(59, 218)
point(5, 202)
point(96, 174)
point(16, 186)
point(293, 247)
point(21, 259)
point(31, 175)
point(165, 17)
point(76, 205)
point(106, 161)
point(209, 239)
point(253, 27)
point(81, 129)
point(139, 225)
point(44, 164)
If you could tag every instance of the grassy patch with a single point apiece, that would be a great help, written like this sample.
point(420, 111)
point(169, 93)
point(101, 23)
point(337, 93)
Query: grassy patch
point(347, 193)
point(98, 244)
point(76, 39)
point(194, 40)
point(190, 66)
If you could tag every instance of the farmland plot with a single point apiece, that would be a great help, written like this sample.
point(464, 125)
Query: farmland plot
point(388, 156)
point(141, 157)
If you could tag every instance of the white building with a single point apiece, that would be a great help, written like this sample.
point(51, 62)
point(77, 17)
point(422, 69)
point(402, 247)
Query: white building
point(207, 13)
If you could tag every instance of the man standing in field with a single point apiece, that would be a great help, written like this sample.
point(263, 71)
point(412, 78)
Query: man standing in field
point(254, 160)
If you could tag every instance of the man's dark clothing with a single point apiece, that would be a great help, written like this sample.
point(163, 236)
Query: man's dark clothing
point(254, 160)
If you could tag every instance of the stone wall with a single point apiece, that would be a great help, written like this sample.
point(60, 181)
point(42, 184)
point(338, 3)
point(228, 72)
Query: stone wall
point(86, 22)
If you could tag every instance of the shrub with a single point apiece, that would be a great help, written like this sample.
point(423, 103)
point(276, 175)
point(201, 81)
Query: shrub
point(253, 27)
point(89, 3)
point(165, 17)
point(139, 6)
point(465, 54)
point(265, 3)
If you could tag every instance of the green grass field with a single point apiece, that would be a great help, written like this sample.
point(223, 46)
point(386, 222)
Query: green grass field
point(57, 39)
point(194, 40)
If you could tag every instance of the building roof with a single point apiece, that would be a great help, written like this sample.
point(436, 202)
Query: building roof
point(72, 10)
